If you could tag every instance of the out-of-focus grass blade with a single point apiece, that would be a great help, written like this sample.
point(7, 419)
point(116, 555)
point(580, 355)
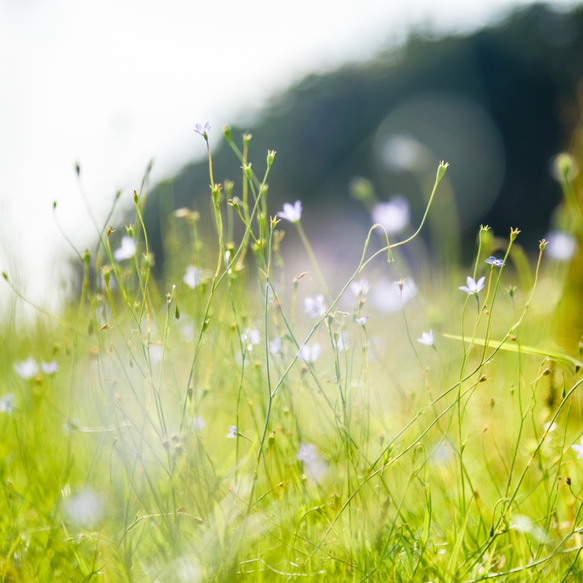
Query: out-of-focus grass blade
point(515, 347)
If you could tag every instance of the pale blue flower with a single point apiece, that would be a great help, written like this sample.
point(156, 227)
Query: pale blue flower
point(7, 403)
point(203, 130)
point(578, 447)
point(362, 320)
point(291, 213)
point(495, 262)
point(232, 432)
point(473, 288)
point(314, 466)
point(427, 338)
point(49, 367)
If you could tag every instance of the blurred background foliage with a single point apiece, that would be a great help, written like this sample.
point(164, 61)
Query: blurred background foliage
point(498, 105)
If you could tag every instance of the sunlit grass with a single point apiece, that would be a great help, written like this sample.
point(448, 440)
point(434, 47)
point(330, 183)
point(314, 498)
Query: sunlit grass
point(234, 421)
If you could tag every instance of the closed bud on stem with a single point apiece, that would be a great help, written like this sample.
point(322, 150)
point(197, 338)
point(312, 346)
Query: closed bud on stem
point(216, 190)
point(564, 167)
point(106, 270)
point(246, 138)
point(148, 260)
point(247, 171)
point(441, 169)
point(86, 257)
point(227, 132)
point(130, 231)
point(228, 186)
point(135, 197)
point(362, 189)
point(513, 234)
point(270, 157)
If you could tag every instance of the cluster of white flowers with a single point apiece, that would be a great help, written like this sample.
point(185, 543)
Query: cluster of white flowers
point(29, 368)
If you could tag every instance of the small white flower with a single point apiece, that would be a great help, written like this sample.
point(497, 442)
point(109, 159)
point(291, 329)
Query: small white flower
point(392, 215)
point(156, 353)
point(232, 432)
point(362, 320)
point(127, 249)
point(193, 276)
point(405, 153)
point(203, 130)
point(315, 307)
point(85, 508)
point(578, 447)
point(7, 403)
point(197, 423)
point(275, 346)
point(185, 327)
point(228, 260)
point(342, 343)
point(27, 369)
point(474, 287)
point(291, 213)
point(426, 338)
point(389, 297)
point(309, 353)
point(359, 288)
point(49, 367)
point(560, 246)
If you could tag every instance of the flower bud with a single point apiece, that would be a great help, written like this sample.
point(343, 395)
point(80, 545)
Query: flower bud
point(441, 169)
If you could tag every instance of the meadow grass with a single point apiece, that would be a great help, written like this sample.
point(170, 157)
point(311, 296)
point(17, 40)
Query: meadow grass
point(230, 420)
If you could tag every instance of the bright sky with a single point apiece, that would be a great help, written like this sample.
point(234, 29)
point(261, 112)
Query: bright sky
point(115, 83)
